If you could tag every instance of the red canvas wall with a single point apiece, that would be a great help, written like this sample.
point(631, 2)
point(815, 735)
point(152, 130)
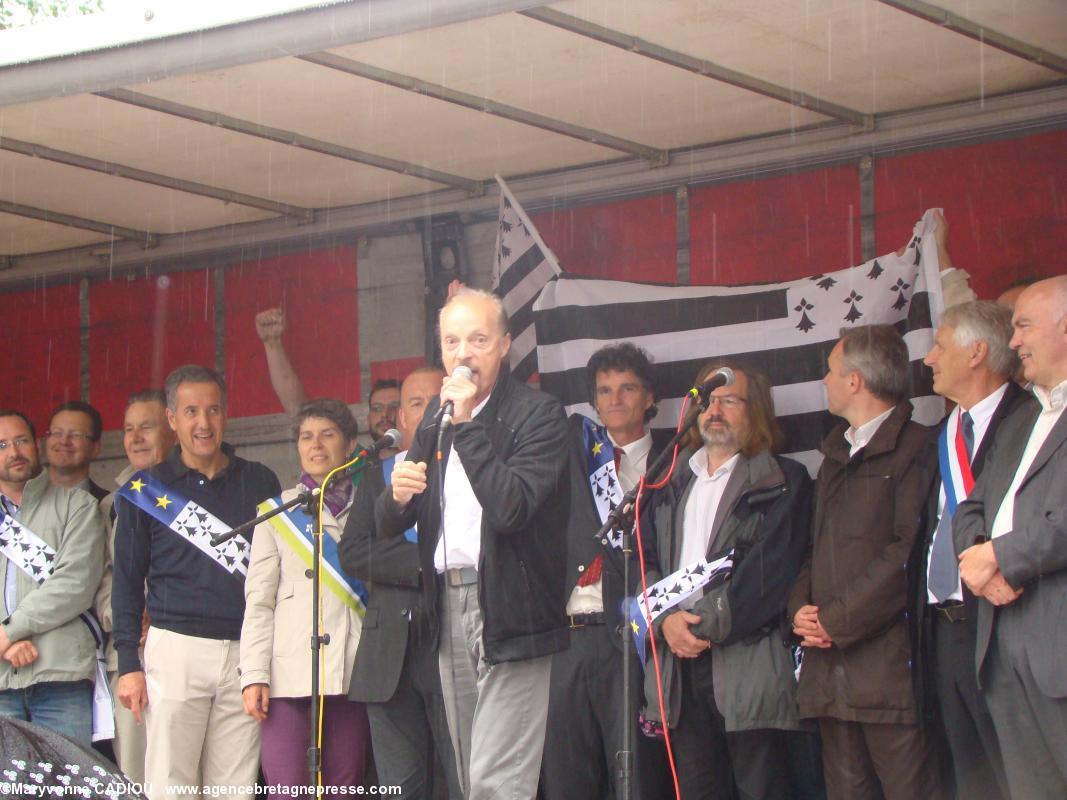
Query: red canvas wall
point(775, 229)
point(142, 329)
point(1005, 202)
point(40, 350)
point(631, 240)
point(318, 292)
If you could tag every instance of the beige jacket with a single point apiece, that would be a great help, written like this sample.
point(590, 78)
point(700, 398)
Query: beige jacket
point(102, 603)
point(276, 634)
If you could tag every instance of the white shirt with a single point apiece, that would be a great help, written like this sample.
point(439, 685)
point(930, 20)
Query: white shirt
point(858, 438)
point(632, 459)
point(981, 415)
point(461, 538)
point(1051, 407)
point(700, 510)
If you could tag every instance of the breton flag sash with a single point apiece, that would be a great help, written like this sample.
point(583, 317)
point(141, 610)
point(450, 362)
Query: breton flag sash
point(670, 591)
point(295, 528)
point(189, 520)
point(34, 556)
point(600, 467)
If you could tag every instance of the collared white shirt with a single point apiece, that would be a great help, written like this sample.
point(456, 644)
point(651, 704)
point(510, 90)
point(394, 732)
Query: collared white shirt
point(632, 460)
point(700, 510)
point(1051, 407)
point(461, 537)
point(858, 438)
point(981, 415)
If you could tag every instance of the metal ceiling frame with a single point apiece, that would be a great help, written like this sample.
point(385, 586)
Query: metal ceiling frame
point(291, 138)
point(153, 178)
point(954, 124)
point(144, 238)
point(307, 30)
point(699, 66)
point(980, 33)
point(654, 155)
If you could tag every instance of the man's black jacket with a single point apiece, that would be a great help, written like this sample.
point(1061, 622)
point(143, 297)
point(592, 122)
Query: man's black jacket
point(515, 456)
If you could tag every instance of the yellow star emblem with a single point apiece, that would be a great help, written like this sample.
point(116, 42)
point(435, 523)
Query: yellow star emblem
point(633, 624)
point(137, 485)
point(163, 501)
point(597, 447)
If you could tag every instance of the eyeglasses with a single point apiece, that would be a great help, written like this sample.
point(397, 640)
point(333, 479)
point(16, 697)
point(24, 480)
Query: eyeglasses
point(726, 400)
point(74, 436)
point(18, 443)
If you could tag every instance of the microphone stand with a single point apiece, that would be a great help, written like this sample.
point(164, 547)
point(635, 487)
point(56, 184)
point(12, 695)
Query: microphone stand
point(309, 499)
point(621, 519)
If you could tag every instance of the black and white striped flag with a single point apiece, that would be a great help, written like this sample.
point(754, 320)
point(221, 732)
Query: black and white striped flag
point(785, 329)
point(523, 266)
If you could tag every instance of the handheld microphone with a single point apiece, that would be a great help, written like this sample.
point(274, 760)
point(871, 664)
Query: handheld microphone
point(462, 371)
point(724, 376)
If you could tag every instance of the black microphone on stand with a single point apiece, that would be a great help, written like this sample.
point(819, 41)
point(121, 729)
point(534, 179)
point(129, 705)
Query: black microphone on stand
point(462, 371)
point(724, 376)
point(388, 440)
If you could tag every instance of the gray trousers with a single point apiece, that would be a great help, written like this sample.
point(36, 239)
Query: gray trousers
point(496, 714)
point(1031, 726)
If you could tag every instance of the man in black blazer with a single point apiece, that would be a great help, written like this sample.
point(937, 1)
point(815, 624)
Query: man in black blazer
point(395, 672)
point(585, 695)
point(1012, 532)
point(972, 365)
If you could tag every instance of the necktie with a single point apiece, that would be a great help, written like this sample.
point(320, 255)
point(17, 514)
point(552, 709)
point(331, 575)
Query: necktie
point(596, 566)
point(943, 577)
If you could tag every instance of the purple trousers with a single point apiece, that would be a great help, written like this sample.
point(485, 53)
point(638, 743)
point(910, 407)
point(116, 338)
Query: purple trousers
point(284, 742)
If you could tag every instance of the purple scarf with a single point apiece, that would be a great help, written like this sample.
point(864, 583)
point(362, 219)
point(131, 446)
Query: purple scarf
point(338, 493)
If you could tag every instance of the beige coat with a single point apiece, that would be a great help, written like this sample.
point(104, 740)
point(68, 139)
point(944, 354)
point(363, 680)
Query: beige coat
point(276, 634)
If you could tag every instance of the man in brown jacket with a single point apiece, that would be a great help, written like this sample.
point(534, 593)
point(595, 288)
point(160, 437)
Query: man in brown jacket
point(849, 604)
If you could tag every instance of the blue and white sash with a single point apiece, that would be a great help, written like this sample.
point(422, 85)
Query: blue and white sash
point(600, 467)
point(35, 557)
point(295, 528)
point(192, 522)
point(665, 594)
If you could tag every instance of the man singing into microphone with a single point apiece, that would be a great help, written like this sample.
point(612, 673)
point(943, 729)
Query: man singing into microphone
point(492, 575)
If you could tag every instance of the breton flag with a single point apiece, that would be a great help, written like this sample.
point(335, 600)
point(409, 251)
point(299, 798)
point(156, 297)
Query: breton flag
point(786, 329)
point(522, 267)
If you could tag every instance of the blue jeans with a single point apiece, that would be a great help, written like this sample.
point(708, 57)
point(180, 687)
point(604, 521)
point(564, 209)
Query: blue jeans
point(63, 706)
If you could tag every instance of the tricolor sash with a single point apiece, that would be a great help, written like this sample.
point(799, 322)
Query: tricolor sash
point(956, 476)
point(295, 528)
point(34, 556)
point(600, 467)
point(672, 590)
point(191, 521)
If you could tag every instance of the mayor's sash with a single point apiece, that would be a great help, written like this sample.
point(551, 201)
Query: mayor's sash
point(189, 520)
point(35, 557)
point(600, 469)
point(295, 528)
point(665, 594)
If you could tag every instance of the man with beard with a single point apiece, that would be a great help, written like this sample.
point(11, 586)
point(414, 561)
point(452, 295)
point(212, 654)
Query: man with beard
point(728, 689)
point(52, 541)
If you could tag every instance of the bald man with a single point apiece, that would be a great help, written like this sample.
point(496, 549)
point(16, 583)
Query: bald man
point(1012, 536)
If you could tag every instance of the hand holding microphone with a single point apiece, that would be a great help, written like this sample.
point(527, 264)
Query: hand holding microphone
point(457, 396)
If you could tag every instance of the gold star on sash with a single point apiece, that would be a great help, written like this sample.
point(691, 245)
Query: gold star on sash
point(163, 501)
point(597, 447)
point(633, 624)
point(137, 485)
